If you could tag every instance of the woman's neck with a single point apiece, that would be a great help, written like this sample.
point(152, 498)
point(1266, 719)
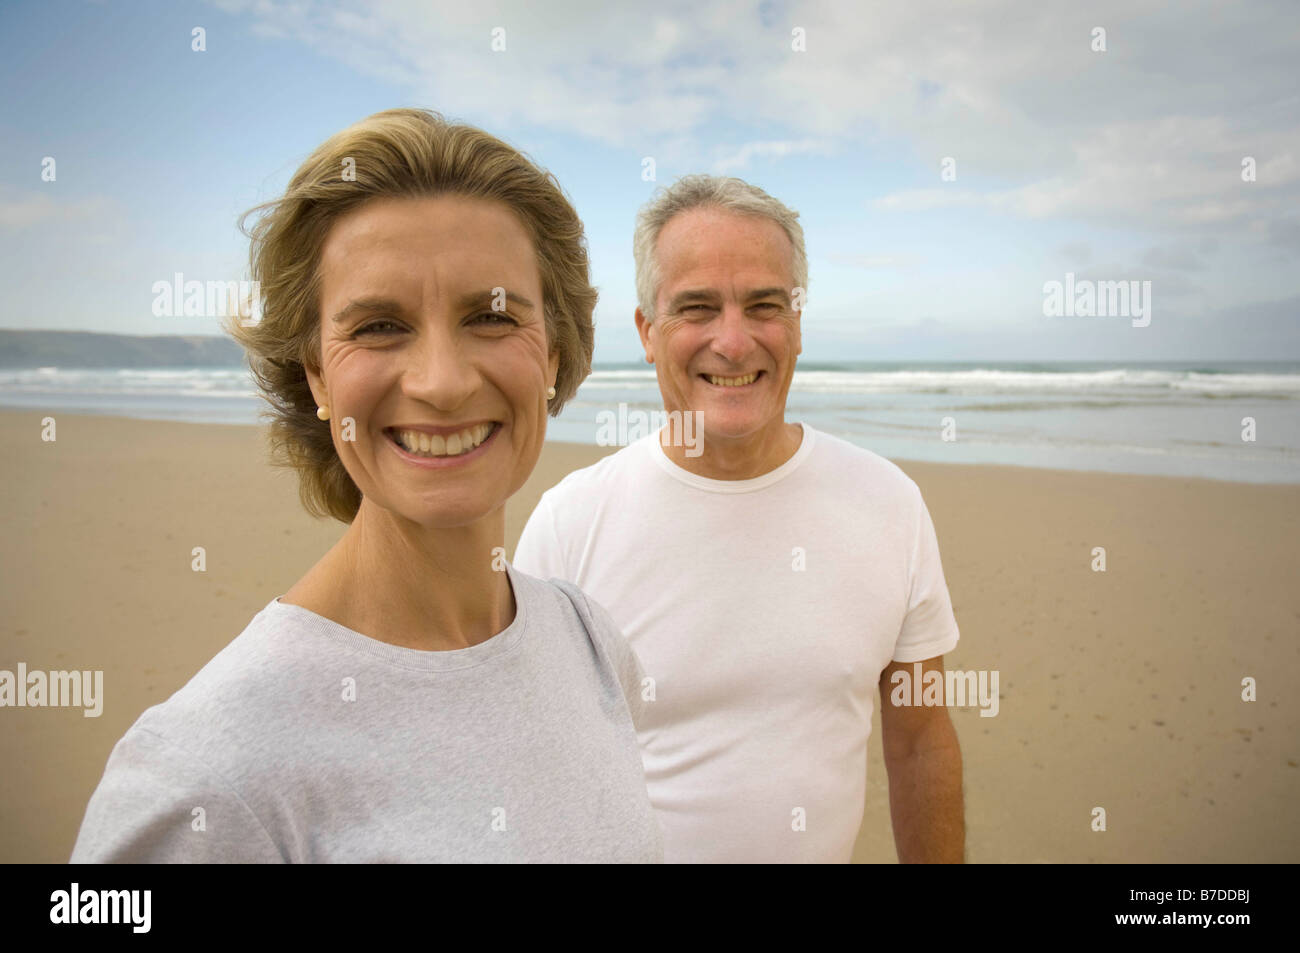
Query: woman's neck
point(401, 583)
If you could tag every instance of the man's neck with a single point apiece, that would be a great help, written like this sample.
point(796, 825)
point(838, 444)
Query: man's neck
point(736, 459)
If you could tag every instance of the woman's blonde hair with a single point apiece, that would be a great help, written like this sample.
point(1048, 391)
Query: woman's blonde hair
point(396, 153)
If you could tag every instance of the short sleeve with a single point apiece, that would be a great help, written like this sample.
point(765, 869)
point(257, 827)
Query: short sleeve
point(157, 804)
point(538, 552)
point(929, 628)
point(614, 646)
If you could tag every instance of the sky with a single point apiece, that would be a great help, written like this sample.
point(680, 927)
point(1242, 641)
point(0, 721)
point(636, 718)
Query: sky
point(1122, 163)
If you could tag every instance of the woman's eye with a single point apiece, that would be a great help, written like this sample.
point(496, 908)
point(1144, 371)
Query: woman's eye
point(495, 317)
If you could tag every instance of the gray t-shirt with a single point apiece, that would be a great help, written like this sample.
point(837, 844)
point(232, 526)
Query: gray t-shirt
point(304, 741)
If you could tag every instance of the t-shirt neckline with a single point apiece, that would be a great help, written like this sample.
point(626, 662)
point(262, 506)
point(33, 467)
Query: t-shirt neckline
point(422, 659)
point(710, 485)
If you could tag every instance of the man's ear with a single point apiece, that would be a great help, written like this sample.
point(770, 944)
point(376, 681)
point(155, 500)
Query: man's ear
point(553, 367)
point(643, 329)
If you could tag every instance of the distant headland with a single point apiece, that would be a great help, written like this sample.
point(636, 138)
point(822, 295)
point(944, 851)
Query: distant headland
point(72, 349)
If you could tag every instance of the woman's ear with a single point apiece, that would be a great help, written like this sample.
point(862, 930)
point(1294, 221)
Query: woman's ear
point(553, 367)
point(317, 384)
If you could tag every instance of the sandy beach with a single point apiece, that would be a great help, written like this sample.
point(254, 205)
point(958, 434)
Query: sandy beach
point(1119, 689)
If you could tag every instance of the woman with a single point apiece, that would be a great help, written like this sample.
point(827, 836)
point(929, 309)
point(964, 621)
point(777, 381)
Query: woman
point(412, 697)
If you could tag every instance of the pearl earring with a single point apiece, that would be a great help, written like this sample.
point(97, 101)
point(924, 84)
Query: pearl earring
point(550, 393)
point(322, 413)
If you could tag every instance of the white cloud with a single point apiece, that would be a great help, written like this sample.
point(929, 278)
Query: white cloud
point(1153, 130)
point(871, 262)
point(737, 159)
point(23, 211)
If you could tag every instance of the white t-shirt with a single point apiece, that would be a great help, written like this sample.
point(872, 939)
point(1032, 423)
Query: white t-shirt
point(764, 610)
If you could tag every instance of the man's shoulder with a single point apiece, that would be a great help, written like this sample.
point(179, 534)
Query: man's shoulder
point(863, 469)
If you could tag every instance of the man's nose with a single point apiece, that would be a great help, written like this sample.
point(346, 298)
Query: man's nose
point(732, 340)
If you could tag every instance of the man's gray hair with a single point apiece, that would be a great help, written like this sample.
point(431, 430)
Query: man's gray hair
point(696, 191)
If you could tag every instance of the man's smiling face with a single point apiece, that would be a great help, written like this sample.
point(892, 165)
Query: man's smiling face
point(726, 336)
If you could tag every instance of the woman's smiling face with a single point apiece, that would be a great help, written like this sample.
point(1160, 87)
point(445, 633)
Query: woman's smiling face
point(433, 343)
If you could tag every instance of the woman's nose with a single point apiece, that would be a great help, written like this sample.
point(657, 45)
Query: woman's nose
point(439, 372)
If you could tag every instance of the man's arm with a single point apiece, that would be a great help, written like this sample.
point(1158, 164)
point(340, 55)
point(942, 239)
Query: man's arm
point(923, 761)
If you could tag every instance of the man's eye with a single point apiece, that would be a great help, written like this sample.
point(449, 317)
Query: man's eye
point(697, 307)
point(382, 326)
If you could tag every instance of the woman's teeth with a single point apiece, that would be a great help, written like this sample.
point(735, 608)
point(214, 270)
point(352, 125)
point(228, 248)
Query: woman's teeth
point(436, 445)
point(731, 381)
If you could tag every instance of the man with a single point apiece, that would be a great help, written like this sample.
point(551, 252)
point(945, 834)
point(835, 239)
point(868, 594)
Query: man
point(768, 583)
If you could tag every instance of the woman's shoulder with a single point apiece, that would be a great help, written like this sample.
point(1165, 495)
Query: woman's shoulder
point(571, 608)
point(556, 598)
point(244, 688)
point(187, 765)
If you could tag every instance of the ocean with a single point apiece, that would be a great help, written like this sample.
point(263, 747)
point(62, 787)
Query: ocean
point(1228, 421)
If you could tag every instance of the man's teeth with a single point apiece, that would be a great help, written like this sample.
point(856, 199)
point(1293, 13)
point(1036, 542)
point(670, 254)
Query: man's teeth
point(732, 381)
point(436, 445)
